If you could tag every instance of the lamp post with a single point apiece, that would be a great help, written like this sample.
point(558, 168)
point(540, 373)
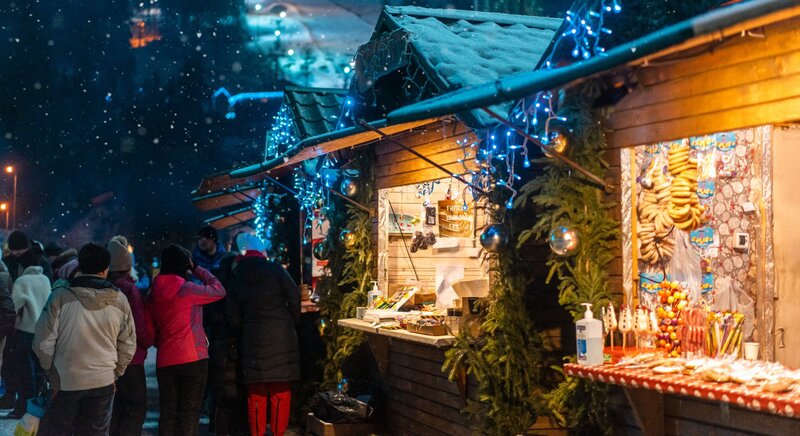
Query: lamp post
point(4, 207)
point(10, 170)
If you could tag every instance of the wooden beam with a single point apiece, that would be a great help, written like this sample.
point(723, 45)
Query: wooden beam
point(689, 105)
point(780, 111)
point(225, 199)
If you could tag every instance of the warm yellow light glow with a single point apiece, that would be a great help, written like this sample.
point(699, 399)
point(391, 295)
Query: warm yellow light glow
point(9, 169)
point(3, 206)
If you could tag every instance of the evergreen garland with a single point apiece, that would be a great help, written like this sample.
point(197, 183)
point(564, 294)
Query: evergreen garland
point(346, 282)
point(507, 359)
point(570, 200)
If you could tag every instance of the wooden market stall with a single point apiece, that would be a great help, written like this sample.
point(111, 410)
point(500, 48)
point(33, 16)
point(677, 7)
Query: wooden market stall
point(414, 54)
point(724, 87)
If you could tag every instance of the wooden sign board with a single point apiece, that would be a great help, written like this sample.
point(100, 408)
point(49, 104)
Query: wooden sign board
point(454, 220)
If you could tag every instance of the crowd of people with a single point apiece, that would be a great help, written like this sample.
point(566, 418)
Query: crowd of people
point(76, 327)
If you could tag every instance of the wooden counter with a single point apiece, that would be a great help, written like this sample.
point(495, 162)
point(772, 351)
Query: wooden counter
point(420, 400)
point(679, 404)
point(434, 341)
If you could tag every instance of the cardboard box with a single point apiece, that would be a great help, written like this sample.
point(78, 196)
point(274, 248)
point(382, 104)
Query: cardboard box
point(317, 427)
point(430, 330)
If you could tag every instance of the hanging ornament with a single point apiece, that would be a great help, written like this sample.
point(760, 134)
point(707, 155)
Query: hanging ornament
point(322, 326)
point(282, 248)
point(348, 239)
point(563, 240)
point(558, 142)
point(321, 251)
point(495, 238)
point(349, 187)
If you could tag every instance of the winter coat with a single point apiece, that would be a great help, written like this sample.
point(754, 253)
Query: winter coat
point(127, 285)
point(6, 303)
point(30, 293)
point(212, 262)
point(174, 315)
point(17, 264)
point(85, 337)
point(265, 306)
point(223, 351)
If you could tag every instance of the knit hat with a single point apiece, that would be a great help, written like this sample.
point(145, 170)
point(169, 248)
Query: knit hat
point(93, 258)
point(121, 259)
point(175, 260)
point(68, 270)
point(18, 240)
point(208, 232)
point(53, 249)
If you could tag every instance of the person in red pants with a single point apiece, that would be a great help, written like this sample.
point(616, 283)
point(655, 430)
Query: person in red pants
point(264, 306)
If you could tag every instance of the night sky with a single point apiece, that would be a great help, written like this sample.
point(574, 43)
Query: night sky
point(111, 139)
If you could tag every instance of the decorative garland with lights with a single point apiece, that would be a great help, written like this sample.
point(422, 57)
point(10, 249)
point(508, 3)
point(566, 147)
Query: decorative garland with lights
point(572, 204)
point(350, 267)
point(281, 135)
point(271, 211)
point(495, 151)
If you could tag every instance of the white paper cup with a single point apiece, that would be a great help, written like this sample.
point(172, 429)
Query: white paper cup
point(751, 350)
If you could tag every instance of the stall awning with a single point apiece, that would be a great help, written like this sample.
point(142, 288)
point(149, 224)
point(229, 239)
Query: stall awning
point(226, 197)
point(713, 25)
point(324, 144)
point(241, 216)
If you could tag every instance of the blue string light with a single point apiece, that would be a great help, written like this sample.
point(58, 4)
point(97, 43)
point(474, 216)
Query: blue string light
point(281, 136)
point(498, 147)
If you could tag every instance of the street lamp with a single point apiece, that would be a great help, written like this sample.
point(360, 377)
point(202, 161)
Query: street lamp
point(4, 207)
point(10, 170)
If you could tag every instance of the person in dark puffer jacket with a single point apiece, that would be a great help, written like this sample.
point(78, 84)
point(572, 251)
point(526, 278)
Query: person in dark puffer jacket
point(174, 315)
point(265, 307)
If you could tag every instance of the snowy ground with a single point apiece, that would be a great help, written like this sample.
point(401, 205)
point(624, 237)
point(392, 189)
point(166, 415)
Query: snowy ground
point(151, 424)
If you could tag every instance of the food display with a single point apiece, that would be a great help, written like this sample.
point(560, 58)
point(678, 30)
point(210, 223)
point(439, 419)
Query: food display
point(655, 222)
point(684, 208)
point(672, 297)
point(725, 334)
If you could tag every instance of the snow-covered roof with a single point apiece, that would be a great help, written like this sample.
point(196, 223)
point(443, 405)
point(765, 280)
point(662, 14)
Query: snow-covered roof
point(315, 111)
point(459, 48)
point(471, 47)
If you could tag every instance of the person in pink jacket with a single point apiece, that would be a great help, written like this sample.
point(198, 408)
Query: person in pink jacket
point(174, 316)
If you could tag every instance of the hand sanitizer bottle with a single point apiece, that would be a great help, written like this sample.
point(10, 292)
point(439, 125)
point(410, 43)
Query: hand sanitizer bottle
point(373, 294)
point(589, 332)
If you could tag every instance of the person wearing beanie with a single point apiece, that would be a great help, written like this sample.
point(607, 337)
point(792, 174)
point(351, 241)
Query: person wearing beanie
point(209, 251)
point(22, 256)
point(84, 339)
point(175, 320)
point(8, 314)
point(130, 401)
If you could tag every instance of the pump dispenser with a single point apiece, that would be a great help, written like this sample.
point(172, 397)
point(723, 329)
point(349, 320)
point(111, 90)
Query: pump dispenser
point(589, 332)
point(373, 294)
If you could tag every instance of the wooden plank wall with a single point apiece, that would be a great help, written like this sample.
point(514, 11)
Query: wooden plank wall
point(743, 81)
point(615, 196)
point(420, 400)
point(399, 263)
point(687, 415)
point(398, 167)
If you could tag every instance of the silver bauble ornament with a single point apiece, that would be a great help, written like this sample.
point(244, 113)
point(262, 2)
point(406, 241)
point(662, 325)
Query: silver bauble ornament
point(348, 239)
point(495, 238)
point(321, 251)
point(322, 326)
point(563, 240)
point(349, 187)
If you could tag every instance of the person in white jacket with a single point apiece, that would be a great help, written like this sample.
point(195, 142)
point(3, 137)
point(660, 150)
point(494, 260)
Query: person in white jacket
point(30, 293)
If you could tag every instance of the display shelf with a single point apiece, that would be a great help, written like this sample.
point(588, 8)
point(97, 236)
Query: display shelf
point(783, 404)
point(435, 341)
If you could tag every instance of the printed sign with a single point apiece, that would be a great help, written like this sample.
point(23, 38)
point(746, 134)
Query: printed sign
point(708, 283)
point(706, 188)
point(454, 220)
point(650, 283)
point(702, 237)
point(726, 141)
